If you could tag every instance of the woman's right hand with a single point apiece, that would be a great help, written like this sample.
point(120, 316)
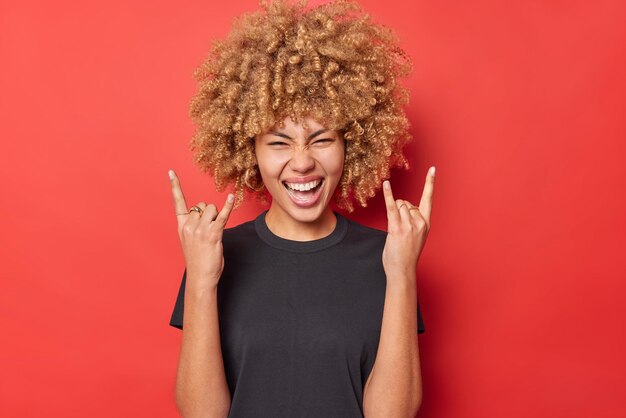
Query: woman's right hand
point(201, 238)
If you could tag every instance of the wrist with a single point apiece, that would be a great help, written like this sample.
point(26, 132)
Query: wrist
point(401, 278)
point(196, 285)
point(401, 271)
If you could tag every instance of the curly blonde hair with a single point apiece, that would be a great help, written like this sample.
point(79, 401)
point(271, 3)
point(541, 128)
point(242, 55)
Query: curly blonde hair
point(328, 62)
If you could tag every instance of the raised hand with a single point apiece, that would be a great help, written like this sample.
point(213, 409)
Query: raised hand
point(408, 227)
point(200, 232)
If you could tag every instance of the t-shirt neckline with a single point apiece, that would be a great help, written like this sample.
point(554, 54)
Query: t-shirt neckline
point(301, 246)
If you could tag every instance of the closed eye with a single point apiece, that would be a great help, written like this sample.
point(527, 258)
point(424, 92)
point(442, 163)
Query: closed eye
point(283, 143)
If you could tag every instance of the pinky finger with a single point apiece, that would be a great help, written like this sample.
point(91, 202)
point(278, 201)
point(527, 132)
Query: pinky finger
point(224, 214)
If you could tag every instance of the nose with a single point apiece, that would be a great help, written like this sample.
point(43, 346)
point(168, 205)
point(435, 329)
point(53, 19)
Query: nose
point(301, 160)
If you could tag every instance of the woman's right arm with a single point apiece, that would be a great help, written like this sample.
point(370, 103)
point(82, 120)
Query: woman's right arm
point(201, 386)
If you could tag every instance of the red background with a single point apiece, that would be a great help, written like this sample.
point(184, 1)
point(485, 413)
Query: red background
point(519, 105)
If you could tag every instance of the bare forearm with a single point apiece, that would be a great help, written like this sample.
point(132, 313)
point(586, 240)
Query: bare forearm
point(201, 387)
point(394, 388)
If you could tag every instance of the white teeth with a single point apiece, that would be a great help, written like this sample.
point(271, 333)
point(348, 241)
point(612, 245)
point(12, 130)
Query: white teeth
point(303, 187)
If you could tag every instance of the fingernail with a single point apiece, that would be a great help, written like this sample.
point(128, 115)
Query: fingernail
point(432, 171)
point(230, 198)
point(171, 174)
point(386, 184)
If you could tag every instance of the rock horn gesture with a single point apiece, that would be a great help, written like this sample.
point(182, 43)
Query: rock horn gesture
point(200, 230)
point(408, 227)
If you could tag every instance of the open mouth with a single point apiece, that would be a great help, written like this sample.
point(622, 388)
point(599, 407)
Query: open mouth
point(305, 198)
point(310, 191)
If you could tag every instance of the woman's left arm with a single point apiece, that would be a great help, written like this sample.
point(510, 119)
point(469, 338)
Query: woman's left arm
point(394, 386)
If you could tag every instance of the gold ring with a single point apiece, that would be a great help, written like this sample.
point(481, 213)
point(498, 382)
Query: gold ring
point(196, 209)
point(414, 207)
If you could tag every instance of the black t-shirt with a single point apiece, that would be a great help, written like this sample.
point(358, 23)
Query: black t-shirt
point(300, 321)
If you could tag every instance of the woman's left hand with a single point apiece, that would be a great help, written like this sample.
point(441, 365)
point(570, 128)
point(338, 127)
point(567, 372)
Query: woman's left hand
point(408, 227)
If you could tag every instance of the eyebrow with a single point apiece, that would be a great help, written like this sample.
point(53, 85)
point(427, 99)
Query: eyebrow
point(313, 135)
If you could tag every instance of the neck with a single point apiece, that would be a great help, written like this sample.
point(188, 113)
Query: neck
point(284, 226)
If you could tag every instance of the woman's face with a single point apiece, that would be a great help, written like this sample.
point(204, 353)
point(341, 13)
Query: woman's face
point(300, 168)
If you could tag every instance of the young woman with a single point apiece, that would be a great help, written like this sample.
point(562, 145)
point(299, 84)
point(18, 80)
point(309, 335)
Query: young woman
point(300, 312)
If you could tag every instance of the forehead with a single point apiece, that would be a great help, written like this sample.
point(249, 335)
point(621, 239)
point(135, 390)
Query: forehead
point(306, 123)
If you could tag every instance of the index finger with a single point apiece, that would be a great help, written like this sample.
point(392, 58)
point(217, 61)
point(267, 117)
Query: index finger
point(426, 202)
point(180, 206)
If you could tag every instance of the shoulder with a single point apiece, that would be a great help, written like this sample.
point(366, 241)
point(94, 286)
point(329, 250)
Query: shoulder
point(363, 229)
point(243, 229)
point(360, 233)
point(241, 242)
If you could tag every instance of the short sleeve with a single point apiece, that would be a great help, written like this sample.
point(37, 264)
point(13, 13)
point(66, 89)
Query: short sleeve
point(177, 314)
point(420, 320)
